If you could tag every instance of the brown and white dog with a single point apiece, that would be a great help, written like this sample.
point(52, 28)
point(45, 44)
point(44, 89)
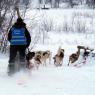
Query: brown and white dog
point(58, 58)
point(29, 57)
point(44, 56)
point(74, 57)
point(39, 58)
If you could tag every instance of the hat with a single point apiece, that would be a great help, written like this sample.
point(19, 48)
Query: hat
point(19, 20)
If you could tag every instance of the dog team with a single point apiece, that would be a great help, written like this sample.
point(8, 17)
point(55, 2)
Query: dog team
point(40, 57)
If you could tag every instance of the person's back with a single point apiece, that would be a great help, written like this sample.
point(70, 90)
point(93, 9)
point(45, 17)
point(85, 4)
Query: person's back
point(19, 39)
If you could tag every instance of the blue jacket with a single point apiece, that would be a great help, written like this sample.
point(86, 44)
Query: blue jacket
point(19, 35)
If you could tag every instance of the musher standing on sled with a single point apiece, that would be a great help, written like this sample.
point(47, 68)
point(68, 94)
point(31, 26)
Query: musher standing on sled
point(19, 39)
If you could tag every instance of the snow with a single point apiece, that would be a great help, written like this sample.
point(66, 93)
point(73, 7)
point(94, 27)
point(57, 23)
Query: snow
point(49, 79)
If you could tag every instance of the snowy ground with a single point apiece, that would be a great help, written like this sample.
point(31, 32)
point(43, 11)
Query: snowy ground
point(51, 80)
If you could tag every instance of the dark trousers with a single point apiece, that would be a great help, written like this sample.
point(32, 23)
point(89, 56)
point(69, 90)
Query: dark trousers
point(14, 49)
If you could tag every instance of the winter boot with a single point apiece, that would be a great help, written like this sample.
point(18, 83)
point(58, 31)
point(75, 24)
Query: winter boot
point(11, 69)
point(23, 65)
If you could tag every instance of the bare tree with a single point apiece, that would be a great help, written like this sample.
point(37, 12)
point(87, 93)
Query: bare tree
point(71, 3)
point(56, 3)
point(5, 8)
point(90, 3)
point(51, 3)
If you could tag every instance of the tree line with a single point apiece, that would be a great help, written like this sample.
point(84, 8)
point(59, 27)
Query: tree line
point(71, 3)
